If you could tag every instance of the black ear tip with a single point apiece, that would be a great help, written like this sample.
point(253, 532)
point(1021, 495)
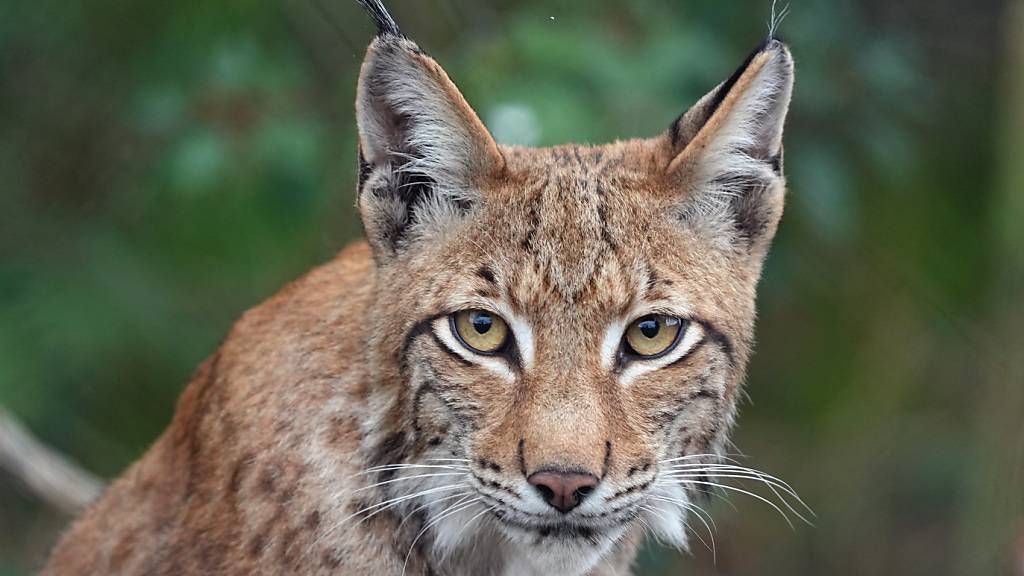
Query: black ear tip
point(776, 44)
point(771, 44)
point(386, 25)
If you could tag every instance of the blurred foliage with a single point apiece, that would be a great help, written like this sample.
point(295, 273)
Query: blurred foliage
point(164, 166)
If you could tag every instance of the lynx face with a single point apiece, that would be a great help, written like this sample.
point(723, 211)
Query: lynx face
point(559, 326)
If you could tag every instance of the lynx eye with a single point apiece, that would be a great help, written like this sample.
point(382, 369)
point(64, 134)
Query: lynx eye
point(480, 331)
point(654, 335)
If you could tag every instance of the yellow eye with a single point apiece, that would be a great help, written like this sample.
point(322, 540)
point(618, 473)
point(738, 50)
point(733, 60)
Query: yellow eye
point(653, 335)
point(480, 331)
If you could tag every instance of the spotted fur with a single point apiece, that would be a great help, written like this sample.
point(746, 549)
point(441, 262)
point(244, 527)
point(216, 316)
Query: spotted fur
point(354, 367)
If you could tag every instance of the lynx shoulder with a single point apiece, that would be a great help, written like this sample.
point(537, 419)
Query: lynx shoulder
point(535, 355)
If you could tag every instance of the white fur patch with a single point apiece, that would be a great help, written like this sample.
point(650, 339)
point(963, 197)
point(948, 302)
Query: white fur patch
point(611, 342)
point(667, 513)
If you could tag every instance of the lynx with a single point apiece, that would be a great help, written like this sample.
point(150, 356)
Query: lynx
point(531, 362)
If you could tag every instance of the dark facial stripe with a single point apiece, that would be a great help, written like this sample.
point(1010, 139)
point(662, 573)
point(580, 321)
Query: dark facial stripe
point(418, 329)
point(495, 485)
point(652, 278)
point(489, 465)
point(724, 342)
point(607, 458)
point(487, 274)
point(631, 489)
point(713, 335)
point(634, 469)
point(392, 449)
point(451, 353)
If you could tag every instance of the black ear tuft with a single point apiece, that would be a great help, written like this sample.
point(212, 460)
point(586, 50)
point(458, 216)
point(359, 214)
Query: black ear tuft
point(725, 87)
point(386, 25)
point(685, 127)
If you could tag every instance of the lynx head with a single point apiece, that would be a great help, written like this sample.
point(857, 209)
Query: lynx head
point(558, 329)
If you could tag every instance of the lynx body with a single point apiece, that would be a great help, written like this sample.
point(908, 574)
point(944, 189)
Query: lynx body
point(360, 422)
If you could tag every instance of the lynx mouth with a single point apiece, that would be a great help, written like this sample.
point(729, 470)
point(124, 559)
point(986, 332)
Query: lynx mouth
point(590, 527)
point(557, 530)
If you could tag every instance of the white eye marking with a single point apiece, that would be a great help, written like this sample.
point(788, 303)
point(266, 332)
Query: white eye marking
point(523, 337)
point(522, 332)
point(693, 335)
point(611, 343)
point(443, 330)
point(616, 331)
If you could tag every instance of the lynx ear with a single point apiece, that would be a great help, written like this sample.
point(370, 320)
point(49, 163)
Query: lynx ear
point(423, 152)
point(726, 151)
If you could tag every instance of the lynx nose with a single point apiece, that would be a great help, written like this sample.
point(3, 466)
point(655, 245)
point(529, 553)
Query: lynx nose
point(563, 490)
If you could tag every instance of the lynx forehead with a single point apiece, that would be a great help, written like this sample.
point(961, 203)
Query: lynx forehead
point(533, 359)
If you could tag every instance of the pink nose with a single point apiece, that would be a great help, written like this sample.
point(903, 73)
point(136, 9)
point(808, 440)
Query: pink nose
point(563, 490)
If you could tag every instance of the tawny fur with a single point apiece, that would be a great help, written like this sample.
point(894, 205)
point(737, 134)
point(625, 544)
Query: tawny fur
point(260, 471)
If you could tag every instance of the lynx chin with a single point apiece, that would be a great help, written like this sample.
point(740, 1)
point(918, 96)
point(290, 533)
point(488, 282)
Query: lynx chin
point(530, 364)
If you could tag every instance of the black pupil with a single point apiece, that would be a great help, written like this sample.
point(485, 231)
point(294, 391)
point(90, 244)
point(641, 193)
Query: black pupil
point(649, 327)
point(481, 322)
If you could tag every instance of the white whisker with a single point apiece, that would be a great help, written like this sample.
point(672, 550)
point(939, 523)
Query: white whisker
point(428, 504)
point(471, 520)
point(695, 456)
point(782, 483)
point(772, 482)
point(453, 509)
point(701, 514)
point(382, 506)
point(404, 478)
point(740, 472)
point(391, 467)
point(645, 526)
point(752, 495)
point(395, 501)
point(654, 511)
point(727, 473)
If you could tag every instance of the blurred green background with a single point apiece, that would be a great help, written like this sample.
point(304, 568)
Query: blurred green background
point(166, 165)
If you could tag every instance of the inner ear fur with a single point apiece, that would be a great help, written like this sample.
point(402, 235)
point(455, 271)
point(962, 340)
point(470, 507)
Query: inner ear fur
point(423, 151)
point(725, 153)
point(407, 103)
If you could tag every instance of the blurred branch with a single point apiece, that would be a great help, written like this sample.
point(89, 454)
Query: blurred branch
point(50, 475)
